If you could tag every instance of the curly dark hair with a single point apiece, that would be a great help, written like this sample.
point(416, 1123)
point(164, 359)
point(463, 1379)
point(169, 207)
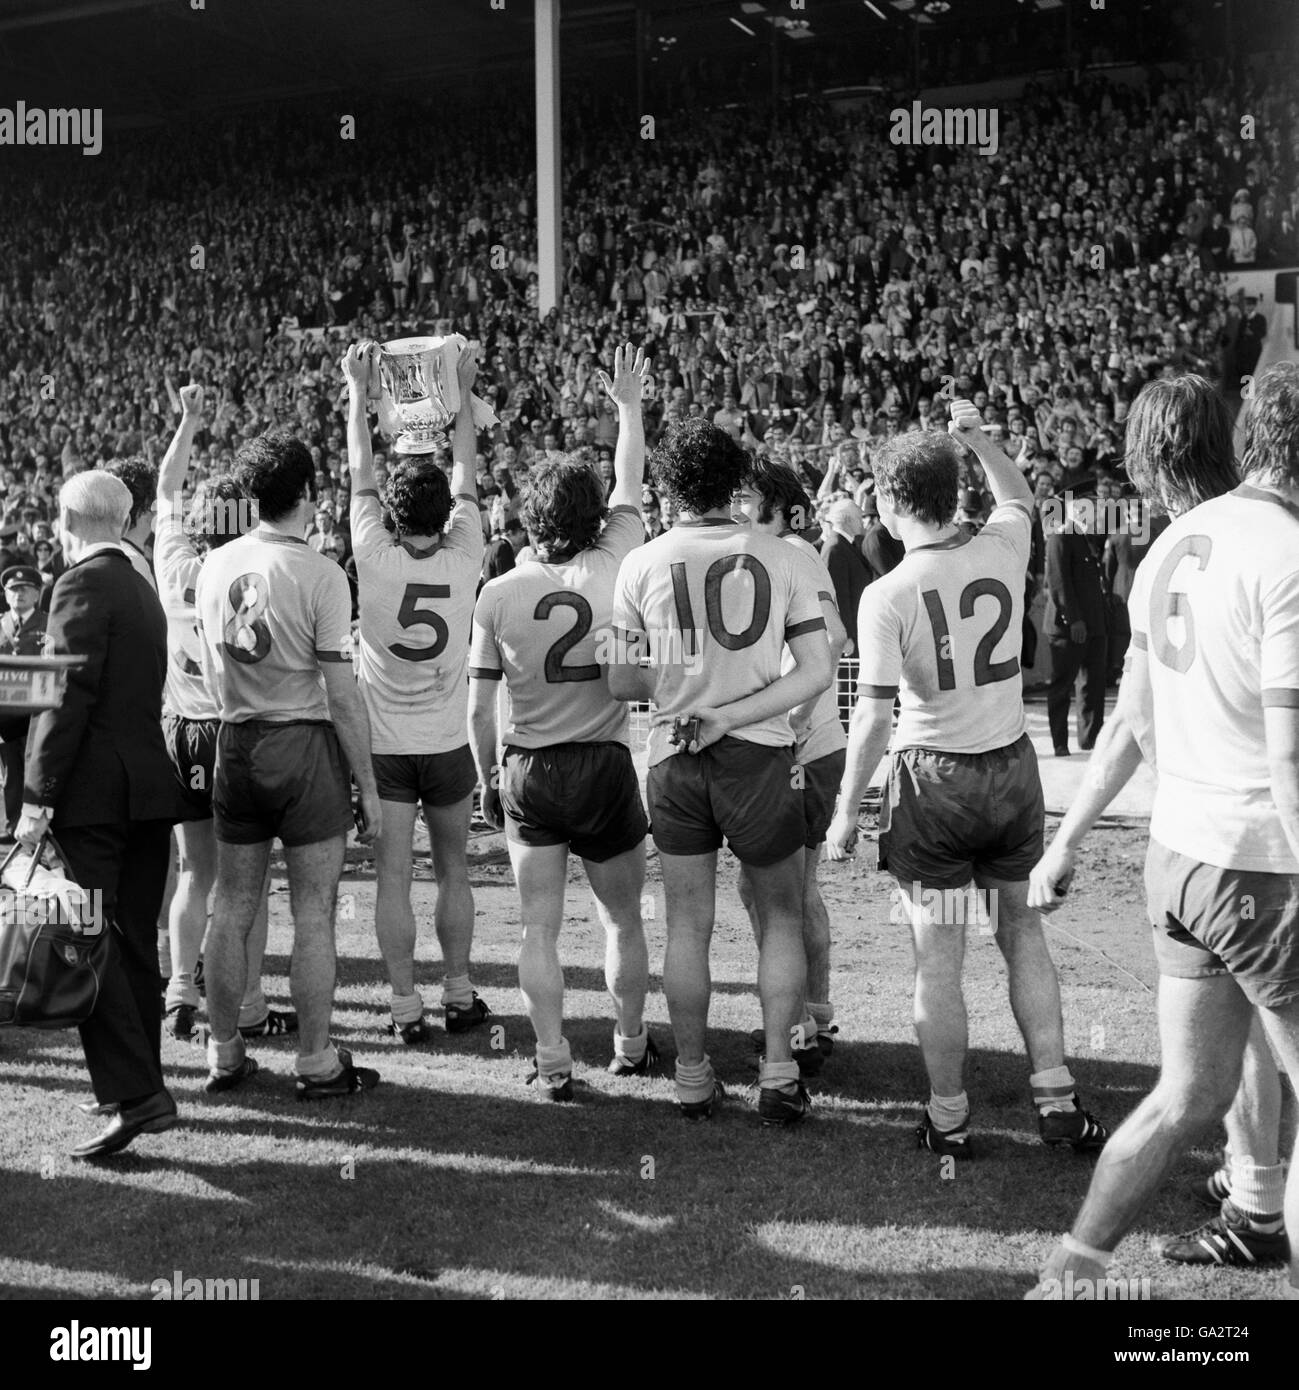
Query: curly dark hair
point(141, 477)
point(418, 497)
point(919, 474)
point(699, 466)
point(778, 486)
point(220, 512)
point(563, 508)
point(1178, 450)
point(1272, 427)
point(274, 470)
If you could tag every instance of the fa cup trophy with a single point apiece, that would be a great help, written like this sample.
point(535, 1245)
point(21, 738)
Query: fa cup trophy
point(419, 393)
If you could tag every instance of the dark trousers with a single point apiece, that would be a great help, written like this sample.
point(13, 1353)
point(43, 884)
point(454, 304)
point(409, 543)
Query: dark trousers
point(122, 1039)
point(1068, 659)
point(11, 773)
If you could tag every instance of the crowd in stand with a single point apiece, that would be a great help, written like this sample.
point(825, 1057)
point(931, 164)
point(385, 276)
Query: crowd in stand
point(813, 289)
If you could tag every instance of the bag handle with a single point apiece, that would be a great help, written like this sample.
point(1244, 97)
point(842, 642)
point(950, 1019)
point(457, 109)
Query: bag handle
point(47, 840)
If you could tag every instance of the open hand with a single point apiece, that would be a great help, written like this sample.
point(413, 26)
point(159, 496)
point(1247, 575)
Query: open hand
point(629, 372)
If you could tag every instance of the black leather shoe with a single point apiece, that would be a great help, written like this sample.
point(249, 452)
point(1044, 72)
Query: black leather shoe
point(151, 1115)
point(93, 1107)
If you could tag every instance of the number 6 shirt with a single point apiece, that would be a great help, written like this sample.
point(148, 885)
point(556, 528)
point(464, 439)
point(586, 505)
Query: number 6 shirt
point(271, 611)
point(943, 632)
point(545, 627)
point(416, 607)
point(1215, 607)
point(712, 605)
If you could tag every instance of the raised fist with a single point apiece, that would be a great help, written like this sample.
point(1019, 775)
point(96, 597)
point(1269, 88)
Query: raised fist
point(191, 399)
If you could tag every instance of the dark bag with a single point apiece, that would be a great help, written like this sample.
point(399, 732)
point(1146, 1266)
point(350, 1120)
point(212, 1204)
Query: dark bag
point(53, 945)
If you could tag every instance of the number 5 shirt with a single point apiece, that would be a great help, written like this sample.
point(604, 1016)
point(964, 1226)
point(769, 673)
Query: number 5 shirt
point(271, 611)
point(416, 607)
point(1215, 607)
point(545, 627)
point(712, 605)
point(943, 631)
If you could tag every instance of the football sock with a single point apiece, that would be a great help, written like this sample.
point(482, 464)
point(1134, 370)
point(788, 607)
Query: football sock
point(1077, 1250)
point(949, 1112)
point(633, 1049)
point(804, 1034)
point(822, 1015)
point(1258, 1193)
point(324, 1065)
point(695, 1081)
point(406, 1008)
point(555, 1061)
point(1072, 1257)
point(457, 990)
point(225, 1056)
point(1053, 1090)
point(778, 1075)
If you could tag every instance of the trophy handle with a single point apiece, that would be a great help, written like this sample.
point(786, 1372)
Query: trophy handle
point(450, 351)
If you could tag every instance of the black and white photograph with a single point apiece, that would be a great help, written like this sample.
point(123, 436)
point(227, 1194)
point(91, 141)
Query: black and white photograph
point(649, 651)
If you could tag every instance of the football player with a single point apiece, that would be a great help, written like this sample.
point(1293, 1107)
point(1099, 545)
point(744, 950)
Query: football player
point(963, 800)
point(1211, 699)
point(773, 500)
point(710, 608)
point(191, 718)
point(417, 587)
point(566, 779)
point(275, 623)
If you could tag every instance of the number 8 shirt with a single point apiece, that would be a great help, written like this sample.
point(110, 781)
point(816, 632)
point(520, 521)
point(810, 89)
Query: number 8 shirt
point(416, 607)
point(1215, 607)
point(271, 611)
point(943, 631)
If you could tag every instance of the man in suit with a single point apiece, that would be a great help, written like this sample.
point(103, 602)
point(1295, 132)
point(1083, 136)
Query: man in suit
point(22, 633)
point(882, 552)
point(1075, 628)
point(98, 776)
point(843, 558)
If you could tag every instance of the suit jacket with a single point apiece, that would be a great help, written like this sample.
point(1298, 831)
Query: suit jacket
point(848, 571)
point(880, 551)
point(100, 758)
point(1073, 586)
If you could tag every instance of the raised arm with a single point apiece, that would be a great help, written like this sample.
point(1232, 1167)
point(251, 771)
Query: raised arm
point(1005, 481)
point(629, 456)
point(464, 442)
point(175, 462)
point(360, 360)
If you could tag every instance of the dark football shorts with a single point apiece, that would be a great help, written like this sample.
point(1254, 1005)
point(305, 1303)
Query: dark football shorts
point(949, 817)
point(583, 795)
point(286, 782)
point(744, 793)
point(1238, 922)
point(436, 779)
point(821, 780)
point(191, 746)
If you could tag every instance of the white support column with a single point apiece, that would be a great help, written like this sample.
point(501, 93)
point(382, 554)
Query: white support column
point(549, 188)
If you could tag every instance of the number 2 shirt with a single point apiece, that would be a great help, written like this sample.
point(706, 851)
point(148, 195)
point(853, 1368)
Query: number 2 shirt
point(271, 611)
point(1215, 607)
point(544, 626)
point(943, 632)
point(416, 606)
point(712, 605)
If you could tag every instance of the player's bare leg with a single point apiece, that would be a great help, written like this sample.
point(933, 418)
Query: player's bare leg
point(453, 918)
point(256, 1017)
point(541, 871)
point(394, 919)
point(939, 1007)
point(1203, 1027)
point(617, 885)
point(314, 872)
point(241, 874)
point(187, 919)
point(689, 891)
point(1254, 1121)
point(1281, 1026)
